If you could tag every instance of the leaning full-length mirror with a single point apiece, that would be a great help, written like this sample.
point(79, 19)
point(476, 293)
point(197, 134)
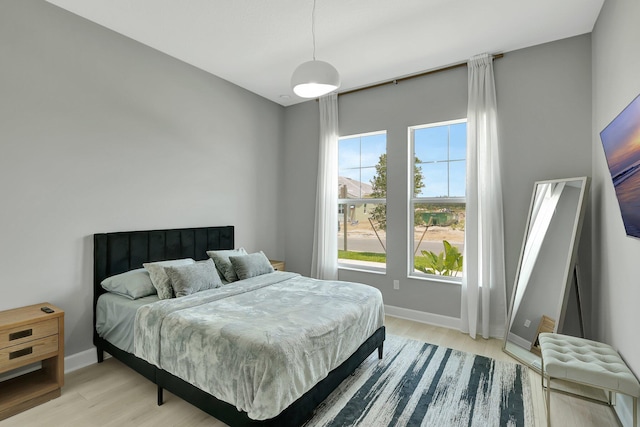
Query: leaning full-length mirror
point(547, 264)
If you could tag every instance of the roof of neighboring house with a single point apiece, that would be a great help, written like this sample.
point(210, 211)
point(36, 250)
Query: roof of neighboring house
point(354, 187)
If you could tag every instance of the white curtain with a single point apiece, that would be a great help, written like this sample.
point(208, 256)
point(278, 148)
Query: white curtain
point(484, 306)
point(324, 262)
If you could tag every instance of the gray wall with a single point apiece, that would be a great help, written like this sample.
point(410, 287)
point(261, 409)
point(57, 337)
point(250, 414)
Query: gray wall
point(100, 133)
point(616, 61)
point(544, 102)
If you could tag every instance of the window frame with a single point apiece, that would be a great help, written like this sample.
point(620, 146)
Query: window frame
point(371, 201)
point(412, 201)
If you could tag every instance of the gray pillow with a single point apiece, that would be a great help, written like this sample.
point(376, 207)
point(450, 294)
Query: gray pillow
point(133, 284)
point(251, 265)
point(159, 277)
point(223, 264)
point(189, 279)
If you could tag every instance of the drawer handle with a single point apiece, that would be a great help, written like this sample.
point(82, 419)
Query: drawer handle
point(21, 334)
point(20, 353)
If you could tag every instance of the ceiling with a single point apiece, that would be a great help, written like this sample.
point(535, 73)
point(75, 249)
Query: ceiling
point(256, 44)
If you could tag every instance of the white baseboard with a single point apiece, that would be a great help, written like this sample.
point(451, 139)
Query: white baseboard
point(432, 319)
point(81, 360)
point(423, 317)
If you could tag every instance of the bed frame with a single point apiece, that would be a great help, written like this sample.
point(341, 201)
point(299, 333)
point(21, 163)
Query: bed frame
point(116, 253)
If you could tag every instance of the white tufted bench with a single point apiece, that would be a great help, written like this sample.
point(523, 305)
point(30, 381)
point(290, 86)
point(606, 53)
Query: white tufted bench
point(586, 362)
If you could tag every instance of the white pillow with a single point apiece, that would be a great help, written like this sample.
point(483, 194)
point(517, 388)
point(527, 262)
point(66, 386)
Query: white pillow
point(132, 284)
point(159, 277)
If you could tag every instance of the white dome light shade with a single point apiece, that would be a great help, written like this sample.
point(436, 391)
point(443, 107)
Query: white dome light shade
point(314, 78)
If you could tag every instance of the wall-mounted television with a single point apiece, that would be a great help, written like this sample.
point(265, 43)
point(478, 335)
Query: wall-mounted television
point(621, 142)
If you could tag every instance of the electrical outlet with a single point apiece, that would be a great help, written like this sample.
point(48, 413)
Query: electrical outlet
point(527, 323)
point(396, 284)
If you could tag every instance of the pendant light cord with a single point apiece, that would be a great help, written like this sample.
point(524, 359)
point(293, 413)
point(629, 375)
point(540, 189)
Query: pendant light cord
point(313, 28)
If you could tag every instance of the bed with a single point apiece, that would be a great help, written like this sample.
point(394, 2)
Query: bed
point(160, 358)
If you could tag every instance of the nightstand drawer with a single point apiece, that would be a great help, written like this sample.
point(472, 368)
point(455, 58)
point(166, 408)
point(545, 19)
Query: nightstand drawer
point(26, 353)
point(22, 334)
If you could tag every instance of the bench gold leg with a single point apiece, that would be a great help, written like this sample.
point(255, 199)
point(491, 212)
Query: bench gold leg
point(548, 394)
point(549, 402)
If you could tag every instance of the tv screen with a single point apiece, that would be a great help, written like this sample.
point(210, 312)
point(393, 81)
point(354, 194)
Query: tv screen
point(621, 142)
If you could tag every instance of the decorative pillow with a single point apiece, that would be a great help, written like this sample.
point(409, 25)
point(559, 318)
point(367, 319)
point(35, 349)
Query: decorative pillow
point(221, 258)
point(160, 279)
point(251, 265)
point(192, 278)
point(132, 284)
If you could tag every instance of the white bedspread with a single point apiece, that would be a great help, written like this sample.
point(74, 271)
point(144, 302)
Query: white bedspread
point(259, 343)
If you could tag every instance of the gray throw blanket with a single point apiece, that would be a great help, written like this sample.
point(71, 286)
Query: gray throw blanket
point(260, 343)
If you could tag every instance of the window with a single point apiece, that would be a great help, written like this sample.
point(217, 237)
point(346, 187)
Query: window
point(437, 202)
point(362, 192)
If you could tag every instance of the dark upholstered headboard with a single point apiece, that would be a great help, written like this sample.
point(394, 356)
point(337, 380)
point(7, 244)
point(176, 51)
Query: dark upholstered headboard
point(115, 253)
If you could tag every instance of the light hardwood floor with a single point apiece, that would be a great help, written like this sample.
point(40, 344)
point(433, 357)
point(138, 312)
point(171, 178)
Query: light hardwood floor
point(111, 394)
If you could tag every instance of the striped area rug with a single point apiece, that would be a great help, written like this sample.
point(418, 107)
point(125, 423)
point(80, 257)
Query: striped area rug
point(419, 384)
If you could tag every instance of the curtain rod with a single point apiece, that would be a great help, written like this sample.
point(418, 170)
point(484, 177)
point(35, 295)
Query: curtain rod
point(402, 79)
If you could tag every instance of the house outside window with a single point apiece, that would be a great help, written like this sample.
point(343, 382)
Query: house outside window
point(362, 201)
point(437, 202)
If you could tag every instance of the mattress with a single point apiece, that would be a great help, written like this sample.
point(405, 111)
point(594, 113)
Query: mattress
point(115, 318)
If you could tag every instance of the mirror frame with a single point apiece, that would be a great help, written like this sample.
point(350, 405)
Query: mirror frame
point(568, 271)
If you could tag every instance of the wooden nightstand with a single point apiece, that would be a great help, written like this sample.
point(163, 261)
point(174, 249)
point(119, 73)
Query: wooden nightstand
point(277, 265)
point(29, 335)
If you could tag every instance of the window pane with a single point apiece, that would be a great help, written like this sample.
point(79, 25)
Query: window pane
point(434, 178)
point(445, 224)
point(361, 242)
point(349, 153)
point(457, 178)
point(440, 153)
point(373, 146)
point(360, 160)
point(431, 144)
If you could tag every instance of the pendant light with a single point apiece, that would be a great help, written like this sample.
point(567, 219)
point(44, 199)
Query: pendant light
point(314, 78)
